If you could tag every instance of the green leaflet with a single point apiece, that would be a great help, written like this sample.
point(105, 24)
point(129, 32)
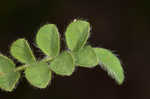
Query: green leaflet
point(77, 34)
point(48, 40)
point(9, 80)
point(110, 63)
point(86, 57)
point(63, 64)
point(8, 77)
point(21, 50)
point(38, 74)
point(6, 65)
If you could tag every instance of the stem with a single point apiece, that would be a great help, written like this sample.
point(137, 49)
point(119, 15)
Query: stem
point(23, 67)
point(47, 59)
point(20, 68)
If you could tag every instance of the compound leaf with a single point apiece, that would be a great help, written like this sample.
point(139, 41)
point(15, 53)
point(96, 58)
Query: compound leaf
point(77, 34)
point(8, 76)
point(86, 57)
point(48, 40)
point(63, 64)
point(38, 74)
point(110, 63)
point(21, 50)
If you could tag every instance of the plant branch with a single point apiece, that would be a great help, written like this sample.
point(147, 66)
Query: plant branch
point(46, 59)
point(23, 67)
point(20, 68)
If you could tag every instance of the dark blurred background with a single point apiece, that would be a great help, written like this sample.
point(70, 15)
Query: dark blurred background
point(118, 25)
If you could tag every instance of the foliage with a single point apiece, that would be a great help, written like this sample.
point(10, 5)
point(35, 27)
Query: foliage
point(39, 72)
